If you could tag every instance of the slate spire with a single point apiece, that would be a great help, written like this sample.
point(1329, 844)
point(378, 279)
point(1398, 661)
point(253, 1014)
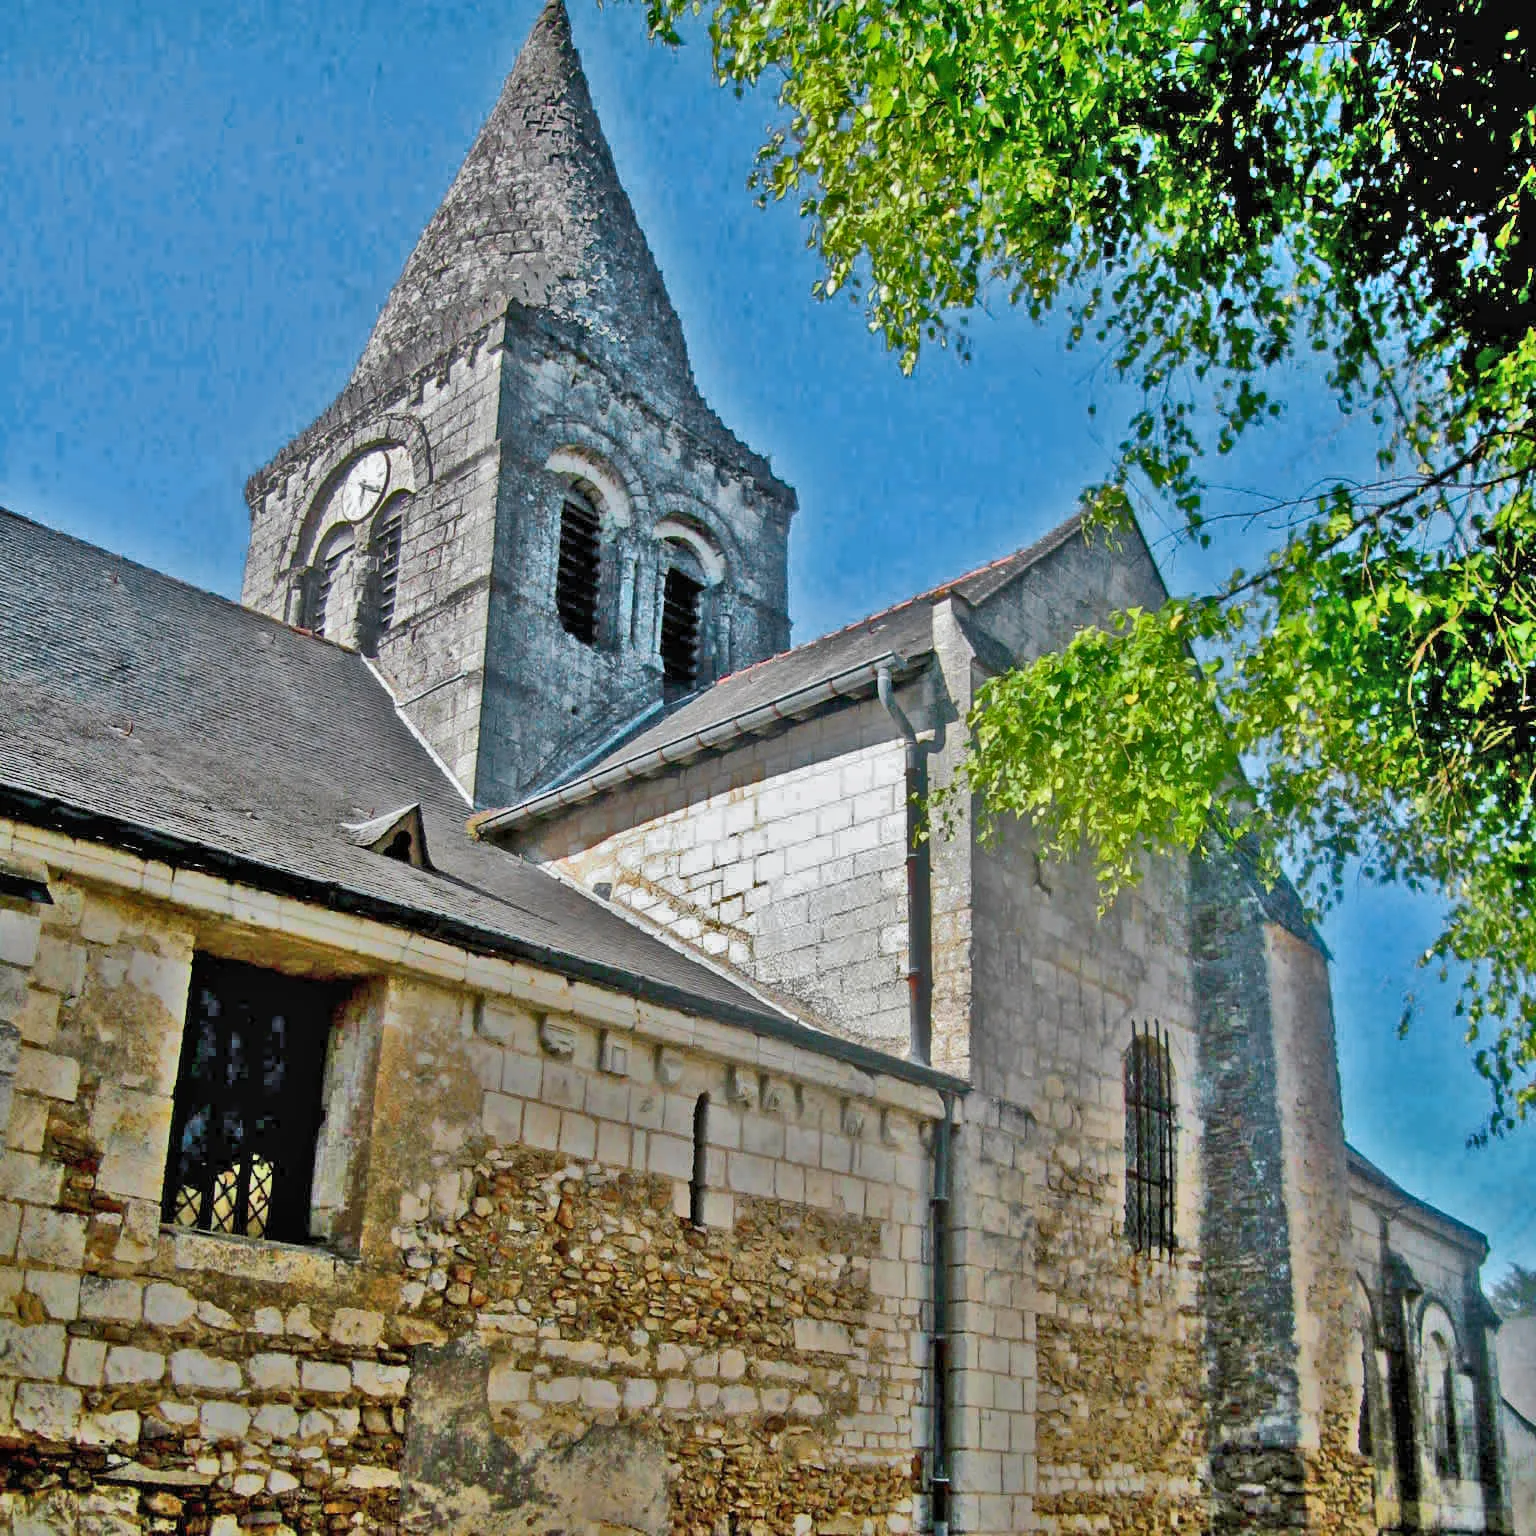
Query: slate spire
point(537, 216)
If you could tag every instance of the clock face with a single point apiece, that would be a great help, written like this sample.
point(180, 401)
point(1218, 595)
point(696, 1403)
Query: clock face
point(365, 487)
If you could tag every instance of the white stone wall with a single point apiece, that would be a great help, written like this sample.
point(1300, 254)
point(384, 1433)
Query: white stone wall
point(785, 859)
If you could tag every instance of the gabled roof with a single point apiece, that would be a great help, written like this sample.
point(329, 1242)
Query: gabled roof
point(777, 687)
point(143, 712)
point(1365, 1171)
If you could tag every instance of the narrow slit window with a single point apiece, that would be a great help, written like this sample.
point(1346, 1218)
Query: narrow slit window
point(1149, 1142)
point(247, 1109)
point(387, 542)
point(579, 573)
point(697, 1185)
point(680, 627)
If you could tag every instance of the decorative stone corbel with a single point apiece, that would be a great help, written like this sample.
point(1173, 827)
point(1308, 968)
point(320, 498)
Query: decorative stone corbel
point(739, 1086)
point(558, 1040)
point(853, 1119)
point(669, 1067)
point(613, 1053)
point(774, 1096)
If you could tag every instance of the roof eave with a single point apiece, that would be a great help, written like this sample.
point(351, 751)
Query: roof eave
point(35, 808)
point(760, 720)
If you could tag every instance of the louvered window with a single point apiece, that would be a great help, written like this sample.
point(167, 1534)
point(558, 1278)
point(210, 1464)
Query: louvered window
point(325, 578)
point(1149, 1145)
point(680, 627)
point(387, 545)
point(247, 1109)
point(581, 565)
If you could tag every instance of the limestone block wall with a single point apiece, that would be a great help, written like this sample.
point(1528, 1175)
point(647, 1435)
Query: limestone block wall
point(552, 697)
point(514, 1326)
point(1410, 1261)
point(443, 422)
point(1093, 1415)
point(785, 858)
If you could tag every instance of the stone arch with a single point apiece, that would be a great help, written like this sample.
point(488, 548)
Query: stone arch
point(706, 550)
point(1439, 1363)
point(607, 487)
point(1373, 1430)
point(389, 432)
point(560, 436)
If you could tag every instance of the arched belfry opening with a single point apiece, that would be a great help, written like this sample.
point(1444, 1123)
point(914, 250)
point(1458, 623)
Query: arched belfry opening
point(529, 386)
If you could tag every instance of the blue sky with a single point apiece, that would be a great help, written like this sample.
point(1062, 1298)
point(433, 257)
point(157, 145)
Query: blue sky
point(203, 206)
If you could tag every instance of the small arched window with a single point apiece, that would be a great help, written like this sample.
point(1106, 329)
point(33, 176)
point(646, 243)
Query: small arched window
point(1149, 1127)
point(388, 540)
point(326, 578)
point(578, 575)
point(682, 598)
point(1440, 1402)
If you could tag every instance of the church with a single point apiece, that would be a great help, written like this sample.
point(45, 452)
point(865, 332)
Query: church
point(484, 1051)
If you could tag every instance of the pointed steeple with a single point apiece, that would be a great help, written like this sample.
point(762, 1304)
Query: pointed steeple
point(537, 216)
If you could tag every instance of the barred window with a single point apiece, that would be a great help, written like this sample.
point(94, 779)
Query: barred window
point(248, 1102)
point(1149, 1127)
point(579, 573)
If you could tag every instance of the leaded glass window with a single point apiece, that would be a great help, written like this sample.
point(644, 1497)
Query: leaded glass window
point(248, 1102)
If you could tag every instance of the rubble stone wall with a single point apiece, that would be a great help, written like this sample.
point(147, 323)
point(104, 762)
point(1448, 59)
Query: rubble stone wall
point(517, 1328)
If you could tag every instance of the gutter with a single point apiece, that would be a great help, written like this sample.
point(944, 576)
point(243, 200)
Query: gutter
point(919, 877)
point(756, 721)
point(46, 811)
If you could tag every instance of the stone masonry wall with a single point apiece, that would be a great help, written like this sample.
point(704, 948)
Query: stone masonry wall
point(1110, 1432)
point(785, 858)
point(520, 1331)
point(433, 654)
point(1339, 1484)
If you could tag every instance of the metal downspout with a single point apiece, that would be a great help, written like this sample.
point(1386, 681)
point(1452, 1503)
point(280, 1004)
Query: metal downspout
point(919, 879)
point(938, 1344)
point(920, 994)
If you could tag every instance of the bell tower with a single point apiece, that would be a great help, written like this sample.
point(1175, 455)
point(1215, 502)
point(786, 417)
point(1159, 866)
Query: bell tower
point(520, 506)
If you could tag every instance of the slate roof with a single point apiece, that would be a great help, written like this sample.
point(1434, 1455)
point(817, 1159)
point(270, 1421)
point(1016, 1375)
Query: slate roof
point(537, 217)
point(905, 630)
point(139, 710)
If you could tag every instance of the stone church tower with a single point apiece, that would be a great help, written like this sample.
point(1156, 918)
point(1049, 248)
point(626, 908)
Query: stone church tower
point(521, 507)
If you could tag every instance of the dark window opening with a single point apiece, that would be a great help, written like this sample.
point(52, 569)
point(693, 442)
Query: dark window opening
point(1447, 1451)
point(697, 1185)
point(680, 627)
point(580, 570)
point(399, 847)
point(1364, 1443)
point(248, 1102)
point(387, 544)
point(1149, 1172)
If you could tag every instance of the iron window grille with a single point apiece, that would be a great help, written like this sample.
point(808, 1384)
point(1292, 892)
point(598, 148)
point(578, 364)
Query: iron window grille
point(248, 1102)
point(1149, 1142)
point(579, 573)
point(680, 627)
point(388, 541)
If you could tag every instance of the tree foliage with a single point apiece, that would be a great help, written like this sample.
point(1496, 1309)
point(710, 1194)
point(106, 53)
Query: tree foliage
point(1212, 191)
point(1515, 1294)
